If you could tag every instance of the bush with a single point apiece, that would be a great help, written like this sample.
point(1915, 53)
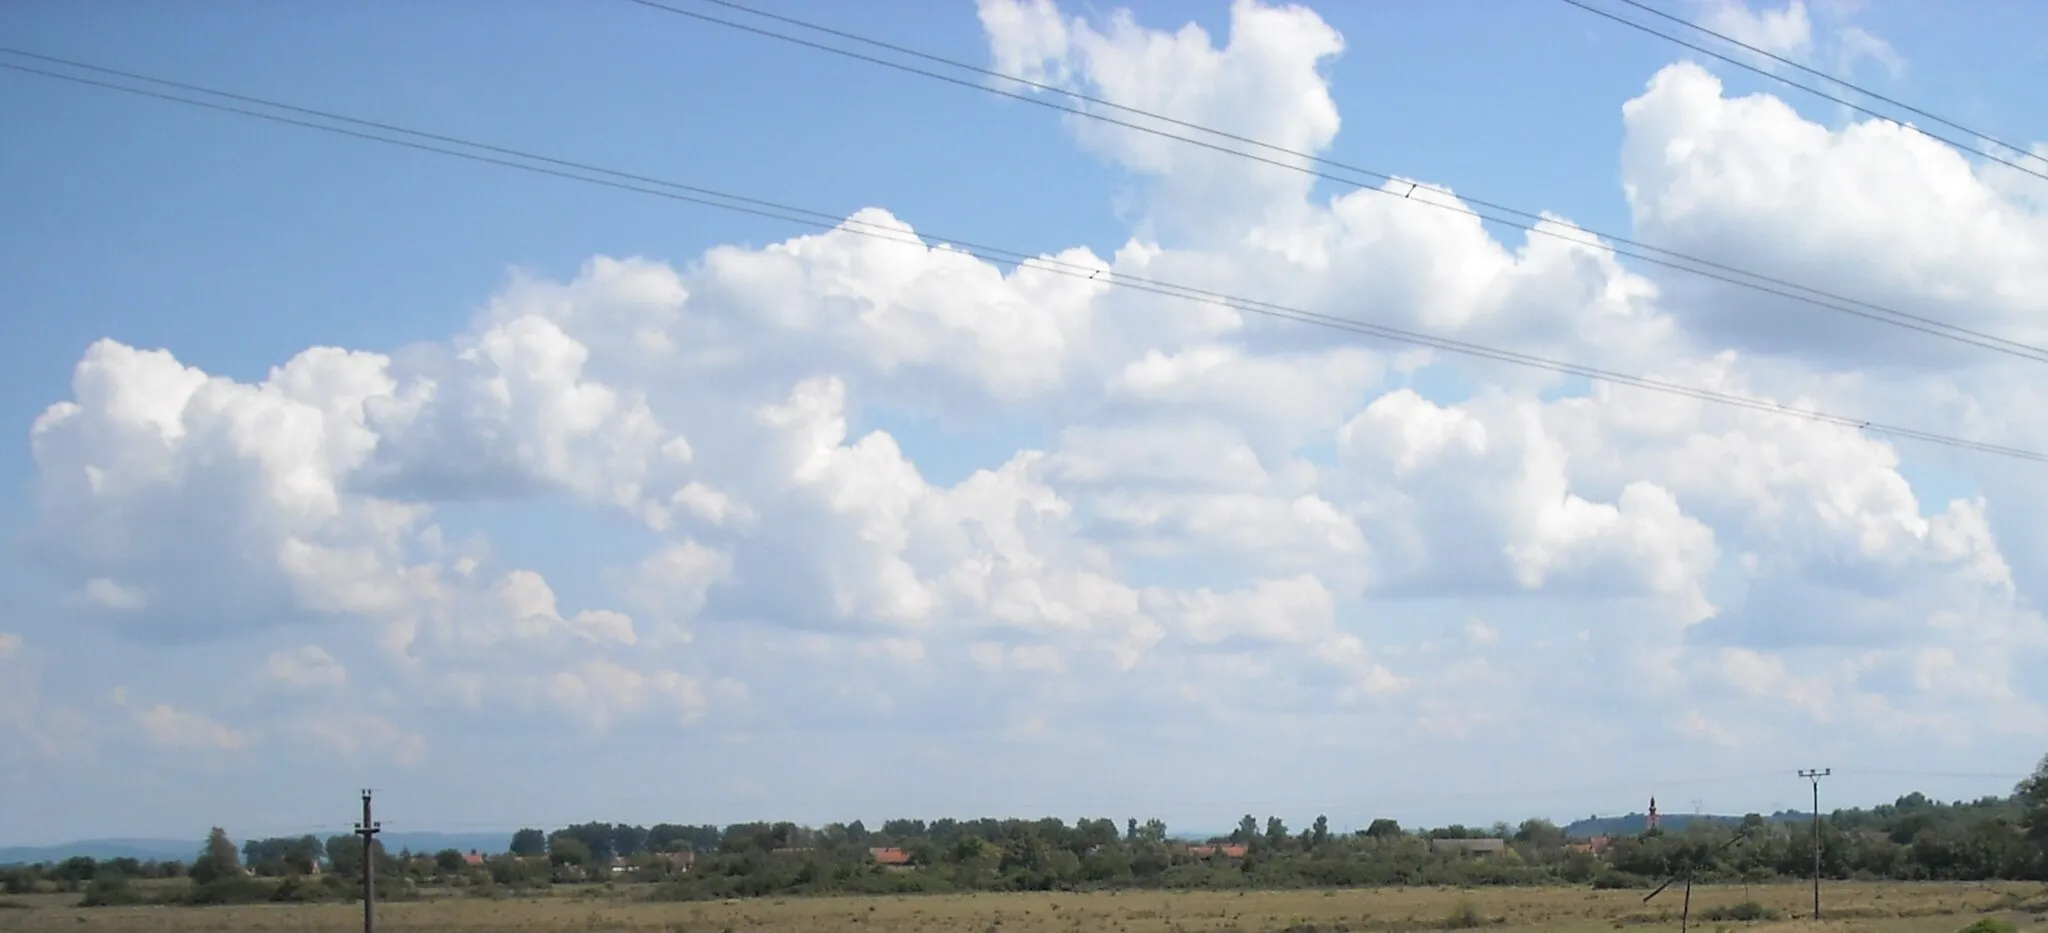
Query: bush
point(229, 889)
point(110, 890)
point(298, 889)
point(1989, 925)
point(1464, 916)
point(1745, 912)
point(1618, 880)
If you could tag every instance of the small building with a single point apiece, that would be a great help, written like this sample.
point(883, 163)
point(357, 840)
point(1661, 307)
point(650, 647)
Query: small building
point(1594, 846)
point(473, 859)
point(890, 857)
point(1468, 846)
point(1229, 850)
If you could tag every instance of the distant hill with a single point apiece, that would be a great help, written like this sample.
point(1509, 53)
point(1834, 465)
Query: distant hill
point(487, 843)
point(184, 849)
point(1635, 823)
point(138, 849)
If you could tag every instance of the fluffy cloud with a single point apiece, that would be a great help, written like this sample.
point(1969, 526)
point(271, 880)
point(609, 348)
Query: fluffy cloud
point(1266, 83)
point(1197, 514)
point(308, 667)
point(241, 473)
point(357, 735)
point(1791, 33)
point(1872, 211)
point(600, 691)
point(20, 692)
point(166, 726)
point(1434, 476)
point(1787, 32)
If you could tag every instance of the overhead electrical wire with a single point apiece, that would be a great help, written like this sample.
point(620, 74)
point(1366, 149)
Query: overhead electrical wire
point(1529, 222)
point(676, 191)
point(1788, 82)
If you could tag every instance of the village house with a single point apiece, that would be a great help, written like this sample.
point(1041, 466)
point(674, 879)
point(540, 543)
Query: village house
point(1229, 850)
point(890, 857)
point(1594, 846)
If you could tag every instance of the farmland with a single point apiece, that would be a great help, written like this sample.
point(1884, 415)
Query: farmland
point(1888, 907)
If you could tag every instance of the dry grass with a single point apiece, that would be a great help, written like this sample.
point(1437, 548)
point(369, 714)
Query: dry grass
point(1886, 908)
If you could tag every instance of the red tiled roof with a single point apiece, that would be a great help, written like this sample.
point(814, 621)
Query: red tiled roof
point(890, 856)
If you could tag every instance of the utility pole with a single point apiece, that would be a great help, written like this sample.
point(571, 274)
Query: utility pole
point(368, 829)
point(1814, 775)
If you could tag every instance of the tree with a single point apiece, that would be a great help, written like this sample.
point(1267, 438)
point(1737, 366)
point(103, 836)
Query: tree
point(1539, 834)
point(2032, 796)
point(628, 840)
point(1276, 833)
point(528, 842)
point(345, 855)
point(449, 861)
point(977, 854)
point(218, 859)
point(75, 870)
point(667, 837)
point(564, 849)
point(1247, 830)
point(1384, 828)
point(1319, 833)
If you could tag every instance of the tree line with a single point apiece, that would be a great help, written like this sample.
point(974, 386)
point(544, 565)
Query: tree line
point(1912, 838)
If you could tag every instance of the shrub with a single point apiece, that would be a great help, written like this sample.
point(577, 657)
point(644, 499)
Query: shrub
point(1464, 916)
point(228, 889)
point(1617, 880)
point(297, 889)
point(1989, 925)
point(110, 890)
point(1745, 912)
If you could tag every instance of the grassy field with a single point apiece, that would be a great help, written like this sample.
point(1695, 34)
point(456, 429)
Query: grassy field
point(1888, 908)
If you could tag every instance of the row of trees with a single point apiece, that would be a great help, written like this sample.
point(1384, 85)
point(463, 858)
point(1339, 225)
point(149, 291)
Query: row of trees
point(1913, 838)
point(604, 842)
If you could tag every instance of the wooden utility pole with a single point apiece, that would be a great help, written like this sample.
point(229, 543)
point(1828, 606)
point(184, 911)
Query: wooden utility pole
point(368, 829)
point(1814, 775)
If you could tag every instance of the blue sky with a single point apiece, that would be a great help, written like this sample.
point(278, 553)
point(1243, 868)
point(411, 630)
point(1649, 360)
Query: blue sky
point(1273, 565)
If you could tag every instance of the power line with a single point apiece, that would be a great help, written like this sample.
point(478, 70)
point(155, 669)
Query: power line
point(1962, 775)
point(1532, 223)
point(1731, 40)
point(576, 171)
